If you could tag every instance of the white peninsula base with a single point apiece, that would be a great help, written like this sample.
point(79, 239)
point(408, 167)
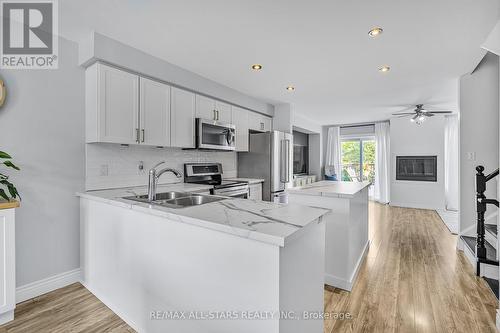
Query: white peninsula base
point(163, 272)
point(346, 240)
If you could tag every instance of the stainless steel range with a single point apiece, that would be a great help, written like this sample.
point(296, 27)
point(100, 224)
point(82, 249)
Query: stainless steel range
point(211, 174)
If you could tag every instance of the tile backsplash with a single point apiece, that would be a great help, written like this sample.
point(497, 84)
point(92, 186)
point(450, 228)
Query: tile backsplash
point(113, 165)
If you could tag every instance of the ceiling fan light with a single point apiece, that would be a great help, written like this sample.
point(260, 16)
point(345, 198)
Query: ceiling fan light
point(375, 32)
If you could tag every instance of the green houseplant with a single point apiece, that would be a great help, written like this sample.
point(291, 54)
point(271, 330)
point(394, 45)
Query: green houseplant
point(7, 190)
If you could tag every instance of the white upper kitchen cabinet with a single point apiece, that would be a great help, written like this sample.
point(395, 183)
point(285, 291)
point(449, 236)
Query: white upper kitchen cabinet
point(223, 112)
point(258, 122)
point(154, 116)
point(205, 108)
point(209, 108)
point(112, 105)
point(183, 109)
point(240, 120)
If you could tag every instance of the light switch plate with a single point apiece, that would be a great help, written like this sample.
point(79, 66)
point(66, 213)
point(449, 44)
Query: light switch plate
point(471, 155)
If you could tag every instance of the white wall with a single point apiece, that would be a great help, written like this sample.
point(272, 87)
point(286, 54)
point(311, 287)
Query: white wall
point(122, 164)
point(42, 126)
point(479, 108)
point(408, 138)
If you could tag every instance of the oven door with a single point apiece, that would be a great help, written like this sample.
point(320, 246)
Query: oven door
point(240, 192)
point(214, 135)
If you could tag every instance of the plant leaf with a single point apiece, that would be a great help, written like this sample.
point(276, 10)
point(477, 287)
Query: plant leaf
point(4, 195)
point(4, 155)
point(12, 191)
point(11, 165)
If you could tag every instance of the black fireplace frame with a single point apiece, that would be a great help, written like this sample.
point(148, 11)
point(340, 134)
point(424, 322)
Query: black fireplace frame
point(431, 178)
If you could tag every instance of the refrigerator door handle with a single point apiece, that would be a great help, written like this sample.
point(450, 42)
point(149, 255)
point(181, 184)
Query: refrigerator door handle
point(283, 163)
point(287, 149)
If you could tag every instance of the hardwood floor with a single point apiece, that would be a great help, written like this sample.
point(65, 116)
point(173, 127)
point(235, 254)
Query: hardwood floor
point(413, 280)
point(71, 309)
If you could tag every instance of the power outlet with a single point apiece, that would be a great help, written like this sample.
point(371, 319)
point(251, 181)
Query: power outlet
point(104, 171)
point(140, 167)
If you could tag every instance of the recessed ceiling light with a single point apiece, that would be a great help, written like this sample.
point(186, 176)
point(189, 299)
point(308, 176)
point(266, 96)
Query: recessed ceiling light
point(256, 67)
point(290, 88)
point(375, 32)
point(384, 69)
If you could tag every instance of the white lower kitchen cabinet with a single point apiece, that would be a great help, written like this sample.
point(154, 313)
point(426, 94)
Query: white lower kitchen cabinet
point(7, 262)
point(255, 191)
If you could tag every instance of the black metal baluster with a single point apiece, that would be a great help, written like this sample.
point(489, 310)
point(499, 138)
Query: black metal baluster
point(481, 209)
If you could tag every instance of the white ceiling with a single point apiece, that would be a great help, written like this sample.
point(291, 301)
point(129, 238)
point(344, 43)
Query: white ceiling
point(321, 47)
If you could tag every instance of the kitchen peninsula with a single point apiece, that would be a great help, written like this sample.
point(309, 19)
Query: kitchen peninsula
point(234, 257)
point(346, 240)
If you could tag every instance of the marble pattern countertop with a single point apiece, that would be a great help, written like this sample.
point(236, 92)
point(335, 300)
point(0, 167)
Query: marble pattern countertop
point(329, 188)
point(263, 221)
point(247, 180)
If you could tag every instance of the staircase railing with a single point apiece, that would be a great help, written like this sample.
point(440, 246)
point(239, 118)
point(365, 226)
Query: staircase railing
point(481, 206)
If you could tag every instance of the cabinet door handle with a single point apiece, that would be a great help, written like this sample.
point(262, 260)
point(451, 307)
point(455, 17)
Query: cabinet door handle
point(261, 126)
point(137, 134)
point(143, 135)
point(217, 114)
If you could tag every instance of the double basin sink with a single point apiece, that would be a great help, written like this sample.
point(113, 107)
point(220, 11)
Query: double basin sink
point(177, 199)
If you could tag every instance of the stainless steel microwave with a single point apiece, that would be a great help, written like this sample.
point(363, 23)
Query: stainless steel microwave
point(214, 135)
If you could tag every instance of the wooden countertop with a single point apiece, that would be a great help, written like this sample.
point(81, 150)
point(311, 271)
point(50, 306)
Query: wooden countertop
point(9, 204)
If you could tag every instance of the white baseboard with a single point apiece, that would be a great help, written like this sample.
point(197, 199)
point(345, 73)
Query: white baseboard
point(346, 284)
point(335, 281)
point(411, 205)
point(6, 317)
point(46, 285)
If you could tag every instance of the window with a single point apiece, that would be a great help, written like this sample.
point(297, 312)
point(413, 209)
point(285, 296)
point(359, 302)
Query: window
point(358, 159)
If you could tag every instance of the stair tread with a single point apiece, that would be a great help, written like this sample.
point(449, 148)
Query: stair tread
point(492, 228)
point(491, 252)
point(493, 284)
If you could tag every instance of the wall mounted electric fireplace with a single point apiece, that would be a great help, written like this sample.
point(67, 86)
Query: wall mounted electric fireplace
point(416, 168)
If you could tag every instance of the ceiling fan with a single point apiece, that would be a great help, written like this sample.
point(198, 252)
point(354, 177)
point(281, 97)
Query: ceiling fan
point(419, 114)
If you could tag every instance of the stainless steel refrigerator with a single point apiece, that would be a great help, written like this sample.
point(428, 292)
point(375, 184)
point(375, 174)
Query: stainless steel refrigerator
point(269, 157)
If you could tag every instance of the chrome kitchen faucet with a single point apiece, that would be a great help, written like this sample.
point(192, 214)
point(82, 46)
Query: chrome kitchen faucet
point(155, 175)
